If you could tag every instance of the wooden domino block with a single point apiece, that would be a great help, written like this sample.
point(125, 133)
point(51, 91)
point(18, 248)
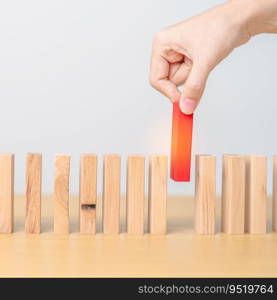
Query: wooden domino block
point(205, 194)
point(157, 194)
point(88, 193)
point(255, 208)
point(274, 194)
point(6, 192)
point(111, 194)
point(233, 194)
point(135, 194)
point(61, 194)
point(33, 193)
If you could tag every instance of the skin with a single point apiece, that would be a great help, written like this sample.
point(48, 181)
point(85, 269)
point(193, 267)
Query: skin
point(187, 52)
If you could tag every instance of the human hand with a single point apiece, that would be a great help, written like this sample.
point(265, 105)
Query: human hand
point(188, 51)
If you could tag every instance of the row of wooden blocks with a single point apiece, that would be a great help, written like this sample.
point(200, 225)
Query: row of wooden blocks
point(88, 193)
point(244, 194)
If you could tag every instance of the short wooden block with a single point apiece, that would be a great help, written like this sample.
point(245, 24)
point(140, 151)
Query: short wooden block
point(157, 194)
point(233, 194)
point(6, 192)
point(111, 194)
point(33, 193)
point(274, 194)
point(88, 193)
point(255, 209)
point(61, 194)
point(205, 194)
point(135, 194)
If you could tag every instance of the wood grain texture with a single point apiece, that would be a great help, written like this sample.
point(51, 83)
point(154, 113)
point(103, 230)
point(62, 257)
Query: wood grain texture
point(61, 194)
point(33, 192)
point(233, 194)
point(157, 194)
point(256, 181)
point(6, 192)
point(111, 194)
point(274, 194)
point(135, 194)
point(205, 194)
point(88, 193)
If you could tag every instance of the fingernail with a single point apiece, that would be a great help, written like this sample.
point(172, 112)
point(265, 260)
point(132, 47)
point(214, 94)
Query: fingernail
point(187, 106)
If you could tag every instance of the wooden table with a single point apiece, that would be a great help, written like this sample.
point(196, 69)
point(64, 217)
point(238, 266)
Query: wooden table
point(180, 253)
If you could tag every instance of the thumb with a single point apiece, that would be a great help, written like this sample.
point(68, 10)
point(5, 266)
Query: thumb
point(194, 88)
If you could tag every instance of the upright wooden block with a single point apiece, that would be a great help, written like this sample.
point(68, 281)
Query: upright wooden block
point(274, 194)
point(205, 194)
point(255, 209)
point(33, 193)
point(157, 194)
point(135, 194)
point(6, 192)
point(88, 193)
point(111, 194)
point(233, 194)
point(61, 194)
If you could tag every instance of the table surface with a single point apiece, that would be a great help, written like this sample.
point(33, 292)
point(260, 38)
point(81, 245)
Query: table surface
point(180, 253)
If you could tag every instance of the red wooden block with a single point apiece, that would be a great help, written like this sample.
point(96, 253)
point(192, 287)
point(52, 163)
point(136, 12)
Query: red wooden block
point(181, 141)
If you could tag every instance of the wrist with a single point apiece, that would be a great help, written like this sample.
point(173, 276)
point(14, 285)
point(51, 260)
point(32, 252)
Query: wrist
point(256, 16)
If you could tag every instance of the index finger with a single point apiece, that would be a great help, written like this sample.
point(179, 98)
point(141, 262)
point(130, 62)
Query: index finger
point(159, 74)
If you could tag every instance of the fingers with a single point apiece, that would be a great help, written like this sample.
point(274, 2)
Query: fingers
point(166, 77)
point(159, 78)
point(179, 72)
point(194, 88)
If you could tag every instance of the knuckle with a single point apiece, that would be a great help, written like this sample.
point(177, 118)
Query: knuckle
point(154, 84)
point(193, 85)
point(159, 37)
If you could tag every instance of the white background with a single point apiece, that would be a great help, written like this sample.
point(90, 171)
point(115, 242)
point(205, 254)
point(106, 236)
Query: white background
point(74, 78)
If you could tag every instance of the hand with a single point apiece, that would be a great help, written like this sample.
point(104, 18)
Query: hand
point(187, 52)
